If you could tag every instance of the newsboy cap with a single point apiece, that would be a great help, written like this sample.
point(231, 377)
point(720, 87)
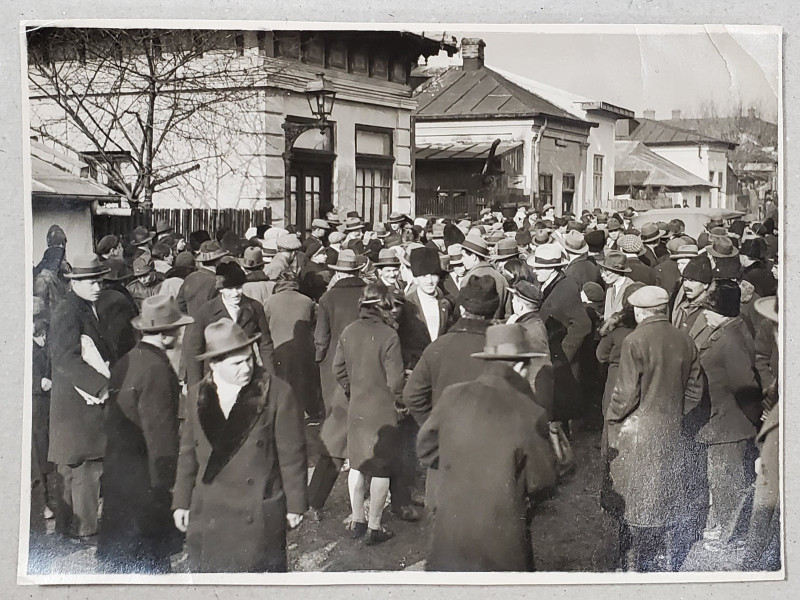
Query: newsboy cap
point(650, 296)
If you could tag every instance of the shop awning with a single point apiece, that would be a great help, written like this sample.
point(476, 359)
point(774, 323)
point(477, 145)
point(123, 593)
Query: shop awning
point(462, 150)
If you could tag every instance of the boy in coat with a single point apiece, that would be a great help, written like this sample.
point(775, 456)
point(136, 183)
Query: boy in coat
point(241, 479)
point(137, 534)
point(489, 440)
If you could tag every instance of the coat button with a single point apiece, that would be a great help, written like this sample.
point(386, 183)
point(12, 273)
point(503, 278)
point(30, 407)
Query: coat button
point(249, 481)
point(260, 443)
point(250, 518)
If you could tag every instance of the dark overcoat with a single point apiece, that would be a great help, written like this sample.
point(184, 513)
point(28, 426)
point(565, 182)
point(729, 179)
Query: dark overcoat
point(314, 280)
point(49, 286)
point(608, 352)
point(540, 370)
point(258, 287)
point(368, 365)
point(562, 301)
point(583, 270)
point(198, 288)
point(290, 317)
point(338, 307)
point(482, 522)
point(659, 382)
point(141, 459)
point(412, 329)
point(667, 274)
point(762, 279)
point(240, 476)
point(640, 272)
point(116, 311)
point(76, 428)
point(728, 360)
point(501, 285)
point(446, 361)
point(251, 319)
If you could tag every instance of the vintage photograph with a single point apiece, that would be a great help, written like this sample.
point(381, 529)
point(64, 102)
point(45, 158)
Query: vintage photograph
point(314, 299)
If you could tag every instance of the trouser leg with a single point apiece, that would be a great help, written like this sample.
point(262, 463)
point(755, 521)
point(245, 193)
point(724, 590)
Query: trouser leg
point(323, 480)
point(86, 496)
point(403, 480)
point(63, 511)
point(727, 481)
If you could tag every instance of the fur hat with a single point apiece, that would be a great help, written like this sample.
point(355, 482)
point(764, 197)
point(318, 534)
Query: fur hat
point(230, 275)
point(724, 298)
point(698, 269)
point(424, 261)
point(479, 296)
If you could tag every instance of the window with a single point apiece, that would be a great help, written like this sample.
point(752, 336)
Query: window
point(238, 41)
point(567, 191)
point(698, 201)
point(546, 189)
point(711, 176)
point(373, 193)
point(597, 179)
point(373, 141)
point(719, 179)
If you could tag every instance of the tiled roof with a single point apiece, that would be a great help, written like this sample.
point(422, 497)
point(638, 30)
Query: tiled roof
point(654, 133)
point(481, 92)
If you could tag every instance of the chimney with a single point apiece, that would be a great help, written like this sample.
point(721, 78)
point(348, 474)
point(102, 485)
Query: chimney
point(649, 114)
point(676, 113)
point(472, 53)
point(751, 112)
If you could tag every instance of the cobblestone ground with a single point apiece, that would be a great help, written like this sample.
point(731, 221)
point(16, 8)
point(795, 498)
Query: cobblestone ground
point(571, 533)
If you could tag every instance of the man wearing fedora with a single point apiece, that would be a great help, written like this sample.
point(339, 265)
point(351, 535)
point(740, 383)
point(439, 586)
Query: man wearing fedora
point(241, 477)
point(258, 286)
point(614, 272)
point(137, 534)
point(354, 233)
point(230, 303)
point(452, 283)
point(581, 267)
point(80, 365)
point(147, 281)
point(316, 236)
point(659, 381)
point(654, 248)
point(483, 512)
point(338, 307)
point(201, 286)
point(613, 232)
point(387, 268)
point(475, 256)
point(142, 239)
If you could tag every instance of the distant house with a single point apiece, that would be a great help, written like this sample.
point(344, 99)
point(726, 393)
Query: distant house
point(652, 181)
point(704, 156)
point(555, 147)
point(63, 193)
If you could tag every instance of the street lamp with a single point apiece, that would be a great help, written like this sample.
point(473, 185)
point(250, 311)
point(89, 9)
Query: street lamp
point(321, 94)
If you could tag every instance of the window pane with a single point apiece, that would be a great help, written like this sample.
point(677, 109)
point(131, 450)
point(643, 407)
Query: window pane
point(373, 142)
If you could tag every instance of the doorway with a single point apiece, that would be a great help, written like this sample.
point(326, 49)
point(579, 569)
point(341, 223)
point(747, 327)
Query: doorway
point(309, 191)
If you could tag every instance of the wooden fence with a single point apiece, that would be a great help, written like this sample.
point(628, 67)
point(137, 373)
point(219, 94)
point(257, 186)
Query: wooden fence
point(183, 221)
point(429, 202)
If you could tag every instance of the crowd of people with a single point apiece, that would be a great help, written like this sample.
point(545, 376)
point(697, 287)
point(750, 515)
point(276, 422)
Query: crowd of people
point(174, 378)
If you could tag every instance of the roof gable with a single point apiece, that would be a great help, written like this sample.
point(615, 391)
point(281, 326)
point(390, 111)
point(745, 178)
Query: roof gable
point(482, 92)
point(635, 164)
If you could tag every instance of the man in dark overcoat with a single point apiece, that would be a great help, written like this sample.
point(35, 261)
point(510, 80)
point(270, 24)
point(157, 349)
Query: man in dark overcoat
point(201, 286)
point(338, 307)
point(659, 381)
point(483, 512)
point(137, 534)
point(581, 267)
point(241, 480)
point(230, 303)
point(449, 360)
point(80, 368)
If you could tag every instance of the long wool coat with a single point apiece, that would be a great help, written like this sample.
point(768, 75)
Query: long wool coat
point(141, 459)
point(413, 329)
point(562, 301)
point(584, 270)
point(197, 289)
point(115, 311)
point(240, 476)
point(338, 307)
point(482, 522)
point(290, 316)
point(251, 319)
point(659, 382)
point(76, 428)
point(369, 366)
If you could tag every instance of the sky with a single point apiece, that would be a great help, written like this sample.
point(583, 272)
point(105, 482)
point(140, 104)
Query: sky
point(640, 67)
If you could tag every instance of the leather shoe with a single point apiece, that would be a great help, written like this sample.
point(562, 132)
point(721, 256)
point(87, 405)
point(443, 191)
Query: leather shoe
point(377, 536)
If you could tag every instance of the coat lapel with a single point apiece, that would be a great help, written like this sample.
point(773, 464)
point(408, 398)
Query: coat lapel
point(226, 436)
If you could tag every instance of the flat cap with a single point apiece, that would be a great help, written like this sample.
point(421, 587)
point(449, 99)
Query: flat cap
point(650, 296)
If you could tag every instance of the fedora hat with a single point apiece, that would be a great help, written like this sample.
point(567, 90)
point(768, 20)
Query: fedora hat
point(548, 256)
point(346, 262)
point(494, 238)
point(209, 251)
point(162, 226)
point(87, 266)
point(269, 248)
point(476, 244)
point(507, 342)
point(506, 248)
point(140, 235)
point(387, 258)
point(527, 291)
point(615, 261)
point(722, 247)
point(380, 231)
point(613, 224)
point(437, 231)
point(767, 307)
point(353, 224)
point(253, 258)
point(160, 313)
point(454, 253)
point(118, 270)
point(575, 243)
point(650, 233)
point(541, 237)
point(223, 337)
point(396, 217)
point(143, 265)
point(685, 250)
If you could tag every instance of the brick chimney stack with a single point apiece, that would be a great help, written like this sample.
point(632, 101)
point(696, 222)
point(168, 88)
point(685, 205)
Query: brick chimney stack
point(676, 113)
point(649, 114)
point(472, 53)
